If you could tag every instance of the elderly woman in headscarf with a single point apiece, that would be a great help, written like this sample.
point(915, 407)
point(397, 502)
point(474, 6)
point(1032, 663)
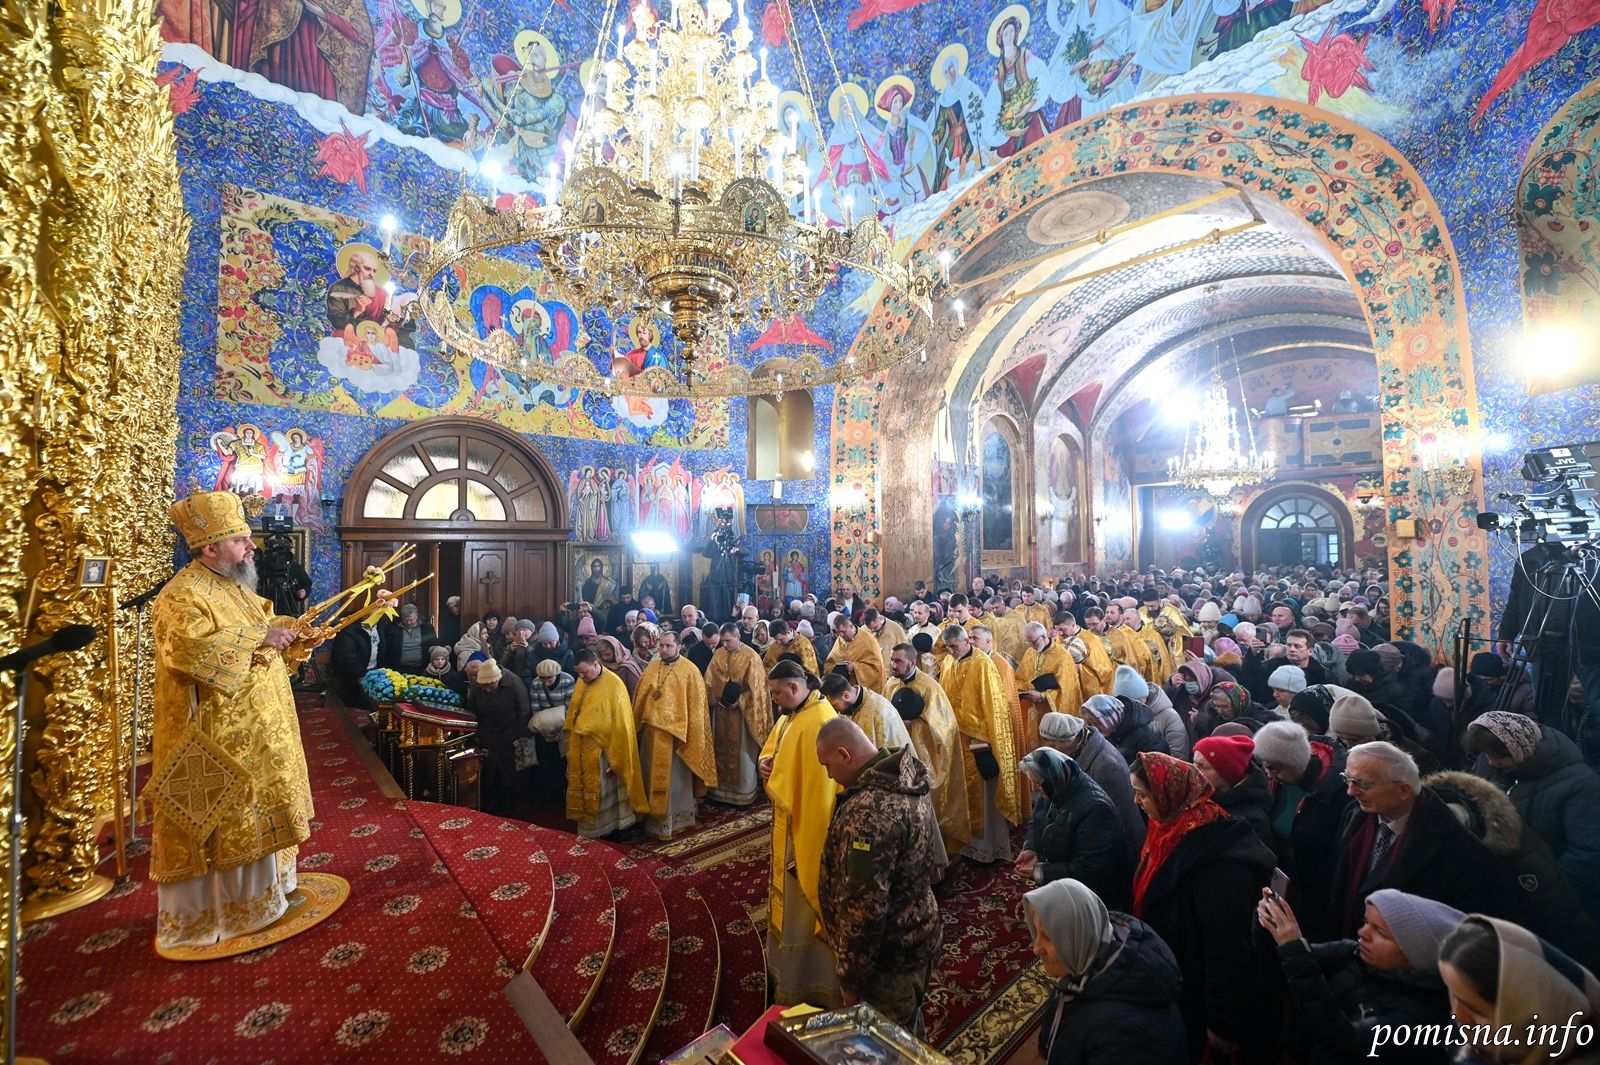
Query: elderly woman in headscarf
point(1197, 883)
point(616, 658)
point(1189, 687)
point(1114, 1000)
point(1228, 701)
point(761, 638)
point(486, 635)
point(1502, 979)
point(1076, 830)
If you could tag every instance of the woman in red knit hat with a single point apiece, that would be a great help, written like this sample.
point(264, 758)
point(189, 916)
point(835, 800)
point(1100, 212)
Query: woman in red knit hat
point(1242, 787)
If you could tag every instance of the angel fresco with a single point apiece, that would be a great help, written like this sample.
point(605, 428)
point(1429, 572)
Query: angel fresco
point(906, 145)
point(244, 460)
point(719, 488)
point(584, 499)
point(523, 91)
point(794, 119)
point(958, 119)
point(852, 157)
point(295, 464)
point(665, 497)
point(426, 81)
point(620, 504)
point(544, 331)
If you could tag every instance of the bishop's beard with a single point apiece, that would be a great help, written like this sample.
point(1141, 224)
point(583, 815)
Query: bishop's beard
point(244, 572)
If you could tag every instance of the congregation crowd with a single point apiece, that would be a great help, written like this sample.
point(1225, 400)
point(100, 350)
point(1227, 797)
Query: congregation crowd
point(1254, 827)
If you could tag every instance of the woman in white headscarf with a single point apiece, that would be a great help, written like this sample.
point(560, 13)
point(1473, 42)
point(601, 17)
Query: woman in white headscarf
point(1115, 999)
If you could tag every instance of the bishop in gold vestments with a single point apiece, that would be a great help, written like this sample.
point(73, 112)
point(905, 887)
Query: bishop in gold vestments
point(223, 868)
point(800, 961)
point(605, 789)
point(674, 739)
point(984, 718)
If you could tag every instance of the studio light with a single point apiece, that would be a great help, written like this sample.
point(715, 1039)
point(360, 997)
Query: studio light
point(654, 542)
point(1175, 520)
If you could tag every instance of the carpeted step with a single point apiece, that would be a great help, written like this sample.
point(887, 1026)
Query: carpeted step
point(620, 1018)
point(501, 867)
point(574, 955)
point(742, 997)
point(694, 973)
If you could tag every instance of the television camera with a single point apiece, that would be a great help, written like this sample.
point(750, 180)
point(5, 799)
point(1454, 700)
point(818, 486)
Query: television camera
point(1561, 504)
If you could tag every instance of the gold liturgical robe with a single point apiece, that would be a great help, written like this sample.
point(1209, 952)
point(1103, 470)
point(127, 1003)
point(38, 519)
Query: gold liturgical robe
point(802, 803)
point(1129, 649)
point(982, 714)
point(674, 721)
point(864, 654)
point(890, 636)
point(938, 744)
point(880, 721)
point(799, 646)
point(207, 629)
point(1161, 665)
point(600, 718)
point(1008, 685)
point(1097, 670)
point(1008, 638)
point(741, 666)
point(1037, 612)
point(1069, 699)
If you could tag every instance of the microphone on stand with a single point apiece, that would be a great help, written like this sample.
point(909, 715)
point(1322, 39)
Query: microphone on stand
point(70, 638)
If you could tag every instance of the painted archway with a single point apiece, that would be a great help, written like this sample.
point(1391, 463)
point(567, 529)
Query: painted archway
point(1338, 512)
point(1369, 207)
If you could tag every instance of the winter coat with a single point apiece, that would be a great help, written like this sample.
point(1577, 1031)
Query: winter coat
point(518, 661)
point(1558, 797)
point(1551, 908)
point(1336, 1000)
point(561, 652)
point(1307, 856)
point(1105, 764)
point(1250, 801)
point(1202, 902)
point(1078, 834)
point(1435, 857)
point(1386, 692)
point(1134, 734)
point(878, 869)
point(1127, 1011)
point(1170, 724)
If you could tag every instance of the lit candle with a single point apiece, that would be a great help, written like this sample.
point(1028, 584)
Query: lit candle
point(961, 313)
point(763, 64)
point(387, 226)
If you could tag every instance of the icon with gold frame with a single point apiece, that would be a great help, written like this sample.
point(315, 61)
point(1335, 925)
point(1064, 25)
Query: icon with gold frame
point(95, 572)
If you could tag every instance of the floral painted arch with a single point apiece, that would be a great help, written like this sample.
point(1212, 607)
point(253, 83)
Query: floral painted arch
point(1369, 207)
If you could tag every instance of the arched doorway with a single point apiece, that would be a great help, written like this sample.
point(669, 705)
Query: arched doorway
point(484, 508)
point(1296, 525)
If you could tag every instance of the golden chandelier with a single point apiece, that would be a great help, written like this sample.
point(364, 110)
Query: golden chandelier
point(677, 204)
point(1217, 460)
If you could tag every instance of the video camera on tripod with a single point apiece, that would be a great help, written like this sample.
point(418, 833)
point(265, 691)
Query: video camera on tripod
point(1562, 506)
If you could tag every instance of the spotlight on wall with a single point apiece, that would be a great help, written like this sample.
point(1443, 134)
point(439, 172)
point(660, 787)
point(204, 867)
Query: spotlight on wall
point(1175, 520)
point(654, 542)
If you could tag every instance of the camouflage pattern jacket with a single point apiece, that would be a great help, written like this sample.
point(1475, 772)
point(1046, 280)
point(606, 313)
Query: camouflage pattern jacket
point(878, 870)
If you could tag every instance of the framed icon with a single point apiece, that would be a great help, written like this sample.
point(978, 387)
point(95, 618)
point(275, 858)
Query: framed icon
point(95, 572)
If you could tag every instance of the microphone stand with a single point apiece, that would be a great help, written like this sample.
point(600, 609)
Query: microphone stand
point(137, 604)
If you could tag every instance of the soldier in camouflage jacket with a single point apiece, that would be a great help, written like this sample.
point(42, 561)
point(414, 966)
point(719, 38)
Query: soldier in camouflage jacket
point(878, 869)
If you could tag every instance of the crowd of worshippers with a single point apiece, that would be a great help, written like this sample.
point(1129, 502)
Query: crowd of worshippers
point(1254, 827)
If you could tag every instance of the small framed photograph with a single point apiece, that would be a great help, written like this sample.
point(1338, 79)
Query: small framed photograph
point(856, 1035)
point(96, 573)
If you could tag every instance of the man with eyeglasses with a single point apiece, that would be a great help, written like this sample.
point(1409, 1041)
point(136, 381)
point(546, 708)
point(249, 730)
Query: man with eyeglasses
point(1401, 835)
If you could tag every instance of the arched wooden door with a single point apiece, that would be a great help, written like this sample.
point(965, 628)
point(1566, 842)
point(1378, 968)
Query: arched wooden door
point(483, 507)
point(1297, 524)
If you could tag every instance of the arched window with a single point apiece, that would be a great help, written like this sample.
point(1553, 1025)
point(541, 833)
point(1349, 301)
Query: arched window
point(781, 437)
point(1298, 530)
point(1003, 492)
point(458, 477)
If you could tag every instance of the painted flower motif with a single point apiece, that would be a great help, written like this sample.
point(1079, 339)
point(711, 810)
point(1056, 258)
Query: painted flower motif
point(363, 831)
point(342, 156)
point(261, 1020)
point(1542, 274)
point(688, 945)
point(344, 954)
point(478, 854)
point(182, 93)
point(79, 1007)
point(463, 1036)
point(362, 1028)
point(1539, 199)
point(455, 822)
point(381, 862)
point(506, 892)
point(170, 1014)
point(646, 979)
point(428, 959)
point(624, 1039)
point(102, 941)
point(590, 964)
point(401, 904)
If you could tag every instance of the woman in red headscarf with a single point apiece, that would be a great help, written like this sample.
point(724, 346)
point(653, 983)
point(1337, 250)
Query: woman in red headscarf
point(1200, 876)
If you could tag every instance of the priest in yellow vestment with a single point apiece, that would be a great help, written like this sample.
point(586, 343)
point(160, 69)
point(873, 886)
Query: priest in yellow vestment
point(674, 738)
point(736, 689)
point(869, 710)
point(787, 641)
point(799, 960)
point(984, 640)
point(605, 789)
point(1127, 648)
point(1033, 610)
point(223, 868)
point(1096, 671)
point(887, 631)
point(984, 718)
point(931, 724)
point(854, 644)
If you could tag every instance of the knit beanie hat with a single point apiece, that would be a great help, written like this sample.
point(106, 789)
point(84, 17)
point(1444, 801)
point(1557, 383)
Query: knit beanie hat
point(1282, 743)
point(489, 672)
point(548, 633)
point(1444, 683)
point(1231, 728)
point(804, 629)
point(1107, 710)
point(1316, 703)
point(1365, 663)
point(1228, 755)
point(586, 626)
point(1520, 735)
point(1347, 643)
point(1353, 715)
point(547, 667)
point(1346, 627)
point(1291, 679)
point(1208, 611)
point(1060, 728)
point(1226, 646)
point(1487, 664)
point(1390, 656)
point(1419, 925)
point(1128, 684)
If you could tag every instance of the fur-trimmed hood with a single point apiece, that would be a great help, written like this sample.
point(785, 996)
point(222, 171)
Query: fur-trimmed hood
point(1495, 820)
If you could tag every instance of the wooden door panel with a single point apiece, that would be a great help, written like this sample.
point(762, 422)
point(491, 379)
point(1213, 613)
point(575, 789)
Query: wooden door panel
point(488, 578)
point(535, 580)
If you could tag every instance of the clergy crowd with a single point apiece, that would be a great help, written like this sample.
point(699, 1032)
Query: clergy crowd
point(1244, 823)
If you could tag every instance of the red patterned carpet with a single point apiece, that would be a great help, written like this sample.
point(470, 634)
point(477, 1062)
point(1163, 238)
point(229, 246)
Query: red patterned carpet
point(639, 944)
